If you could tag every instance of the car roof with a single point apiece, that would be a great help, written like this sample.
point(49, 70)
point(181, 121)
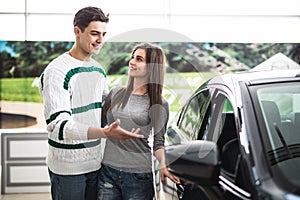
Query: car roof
point(257, 77)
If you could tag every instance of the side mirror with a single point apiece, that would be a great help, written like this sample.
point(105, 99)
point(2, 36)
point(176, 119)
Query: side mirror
point(197, 161)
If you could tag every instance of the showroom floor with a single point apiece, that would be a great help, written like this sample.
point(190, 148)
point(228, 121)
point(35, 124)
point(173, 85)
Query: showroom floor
point(39, 196)
point(46, 196)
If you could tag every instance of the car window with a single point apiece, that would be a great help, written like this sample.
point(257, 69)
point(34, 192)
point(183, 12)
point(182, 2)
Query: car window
point(222, 119)
point(279, 108)
point(215, 118)
point(220, 126)
point(193, 115)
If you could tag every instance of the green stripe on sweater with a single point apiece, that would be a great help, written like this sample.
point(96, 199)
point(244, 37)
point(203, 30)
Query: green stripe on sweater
point(73, 146)
point(77, 70)
point(87, 107)
point(53, 116)
point(61, 130)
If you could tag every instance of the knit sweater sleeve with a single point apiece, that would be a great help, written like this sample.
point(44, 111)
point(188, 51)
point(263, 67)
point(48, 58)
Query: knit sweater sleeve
point(57, 108)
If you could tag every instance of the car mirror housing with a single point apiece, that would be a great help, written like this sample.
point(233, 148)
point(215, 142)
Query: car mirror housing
point(196, 161)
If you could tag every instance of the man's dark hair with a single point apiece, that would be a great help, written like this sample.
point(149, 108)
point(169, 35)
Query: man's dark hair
point(88, 14)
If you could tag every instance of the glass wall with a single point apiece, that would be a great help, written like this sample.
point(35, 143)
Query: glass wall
point(200, 21)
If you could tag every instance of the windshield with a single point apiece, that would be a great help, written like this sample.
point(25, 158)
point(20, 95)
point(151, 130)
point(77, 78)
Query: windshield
point(280, 109)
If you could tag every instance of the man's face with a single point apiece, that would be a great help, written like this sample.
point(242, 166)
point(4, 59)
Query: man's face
point(91, 39)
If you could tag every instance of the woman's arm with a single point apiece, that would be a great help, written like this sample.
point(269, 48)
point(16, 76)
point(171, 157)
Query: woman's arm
point(164, 172)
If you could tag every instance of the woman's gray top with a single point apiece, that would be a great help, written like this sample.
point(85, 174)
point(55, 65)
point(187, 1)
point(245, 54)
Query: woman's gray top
point(134, 155)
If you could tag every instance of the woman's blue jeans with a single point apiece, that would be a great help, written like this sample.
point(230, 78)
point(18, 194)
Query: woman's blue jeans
point(75, 187)
point(119, 185)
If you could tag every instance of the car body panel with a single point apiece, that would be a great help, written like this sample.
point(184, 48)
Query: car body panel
point(236, 120)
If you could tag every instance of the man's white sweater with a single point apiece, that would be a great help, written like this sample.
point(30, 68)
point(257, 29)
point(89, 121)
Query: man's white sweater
point(72, 92)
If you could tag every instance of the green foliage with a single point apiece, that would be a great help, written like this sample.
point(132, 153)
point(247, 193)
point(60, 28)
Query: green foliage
point(200, 57)
point(256, 53)
point(7, 64)
point(19, 89)
point(186, 57)
point(114, 56)
point(31, 57)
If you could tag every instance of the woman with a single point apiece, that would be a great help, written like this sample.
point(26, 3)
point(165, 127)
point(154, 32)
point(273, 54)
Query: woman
point(126, 171)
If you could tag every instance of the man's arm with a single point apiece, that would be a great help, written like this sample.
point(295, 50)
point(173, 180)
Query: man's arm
point(113, 131)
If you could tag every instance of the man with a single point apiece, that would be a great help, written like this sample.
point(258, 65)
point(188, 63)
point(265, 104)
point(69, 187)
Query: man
point(72, 87)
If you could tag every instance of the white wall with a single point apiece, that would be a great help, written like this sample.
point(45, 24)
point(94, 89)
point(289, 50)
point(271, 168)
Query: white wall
point(196, 20)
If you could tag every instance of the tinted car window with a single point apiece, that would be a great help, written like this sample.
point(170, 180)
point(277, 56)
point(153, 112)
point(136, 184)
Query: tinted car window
point(193, 115)
point(215, 117)
point(279, 107)
point(220, 126)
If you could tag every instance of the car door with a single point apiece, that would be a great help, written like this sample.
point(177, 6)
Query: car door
point(185, 125)
point(220, 126)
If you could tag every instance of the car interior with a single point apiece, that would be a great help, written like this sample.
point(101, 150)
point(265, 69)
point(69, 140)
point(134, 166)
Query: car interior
point(273, 119)
point(288, 129)
point(228, 145)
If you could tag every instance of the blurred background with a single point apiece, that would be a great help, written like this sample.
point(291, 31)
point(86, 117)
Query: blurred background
point(200, 38)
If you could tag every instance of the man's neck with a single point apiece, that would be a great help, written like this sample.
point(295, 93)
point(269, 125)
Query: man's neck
point(79, 55)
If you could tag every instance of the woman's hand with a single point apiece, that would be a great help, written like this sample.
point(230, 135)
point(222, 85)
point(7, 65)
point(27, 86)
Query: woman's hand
point(164, 172)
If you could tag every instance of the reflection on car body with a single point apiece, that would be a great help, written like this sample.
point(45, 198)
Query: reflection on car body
point(249, 126)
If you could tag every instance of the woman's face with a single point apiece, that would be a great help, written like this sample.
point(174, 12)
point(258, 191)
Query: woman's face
point(137, 64)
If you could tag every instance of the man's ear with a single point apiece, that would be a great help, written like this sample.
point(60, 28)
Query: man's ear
point(77, 30)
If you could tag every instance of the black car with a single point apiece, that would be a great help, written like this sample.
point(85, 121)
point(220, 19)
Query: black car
point(238, 137)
